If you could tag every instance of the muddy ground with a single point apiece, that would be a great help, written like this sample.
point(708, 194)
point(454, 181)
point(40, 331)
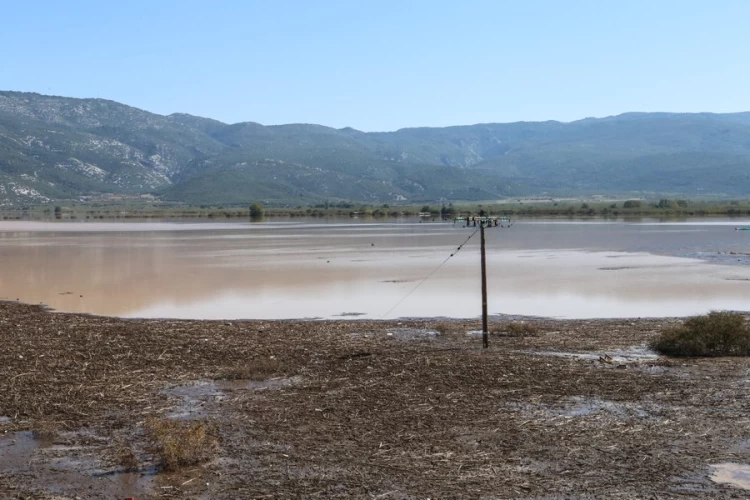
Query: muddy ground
point(409, 409)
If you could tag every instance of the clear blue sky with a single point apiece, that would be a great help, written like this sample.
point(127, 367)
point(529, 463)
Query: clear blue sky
point(383, 65)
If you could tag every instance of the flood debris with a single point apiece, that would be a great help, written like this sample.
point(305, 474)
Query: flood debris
point(409, 408)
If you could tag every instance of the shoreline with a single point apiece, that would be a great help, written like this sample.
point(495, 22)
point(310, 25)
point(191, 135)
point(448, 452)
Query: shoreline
point(364, 408)
point(347, 318)
point(532, 209)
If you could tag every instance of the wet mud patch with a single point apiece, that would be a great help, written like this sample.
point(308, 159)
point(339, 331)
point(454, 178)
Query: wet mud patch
point(742, 447)
point(412, 333)
point(584, 407)
point(259, 385)
point(694, 485)
point(632, 355)
point(192, 399)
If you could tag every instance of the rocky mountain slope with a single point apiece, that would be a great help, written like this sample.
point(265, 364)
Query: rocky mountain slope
point(56, 148)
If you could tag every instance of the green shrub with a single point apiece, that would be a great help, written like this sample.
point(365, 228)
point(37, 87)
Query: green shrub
point(715, 334)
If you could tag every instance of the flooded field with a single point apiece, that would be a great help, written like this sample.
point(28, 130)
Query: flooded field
point(364, 409)
point(375, 270)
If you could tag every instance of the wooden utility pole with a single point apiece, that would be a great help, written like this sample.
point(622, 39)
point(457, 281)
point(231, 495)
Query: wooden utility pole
point(484, 287)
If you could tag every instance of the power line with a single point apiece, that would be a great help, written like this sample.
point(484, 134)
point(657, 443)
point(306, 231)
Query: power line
point(428, 276)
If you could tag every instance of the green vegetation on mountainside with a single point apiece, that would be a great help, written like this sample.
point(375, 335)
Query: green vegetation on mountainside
point(54, 148)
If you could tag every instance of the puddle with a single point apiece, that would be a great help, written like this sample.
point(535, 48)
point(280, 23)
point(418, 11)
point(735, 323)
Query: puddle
point(731, 473)
point(255, 385)
point(85, 473)
point(67, 470)
point(17, 449)
point(5, 420)
point(194, 396)
point(128, 484)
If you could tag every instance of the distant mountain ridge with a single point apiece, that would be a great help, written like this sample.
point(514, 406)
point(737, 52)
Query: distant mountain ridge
point(57, 148)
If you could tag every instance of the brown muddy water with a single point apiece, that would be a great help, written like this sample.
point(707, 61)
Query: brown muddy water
point(350, 269)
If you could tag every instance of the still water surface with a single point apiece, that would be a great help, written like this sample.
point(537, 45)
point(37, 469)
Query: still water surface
point(347, 269)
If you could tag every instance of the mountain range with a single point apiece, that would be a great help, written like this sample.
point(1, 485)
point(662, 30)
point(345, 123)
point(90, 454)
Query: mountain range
point(58, 148)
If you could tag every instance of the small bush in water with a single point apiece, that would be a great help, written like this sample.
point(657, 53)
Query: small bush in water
point(715, 334)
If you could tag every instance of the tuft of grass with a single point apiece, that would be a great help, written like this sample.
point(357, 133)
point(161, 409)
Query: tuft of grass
point(521, 329)
point(719, 333)
point(125, 456)
point(254, 369)
point(181, 444)
point(453, 328)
